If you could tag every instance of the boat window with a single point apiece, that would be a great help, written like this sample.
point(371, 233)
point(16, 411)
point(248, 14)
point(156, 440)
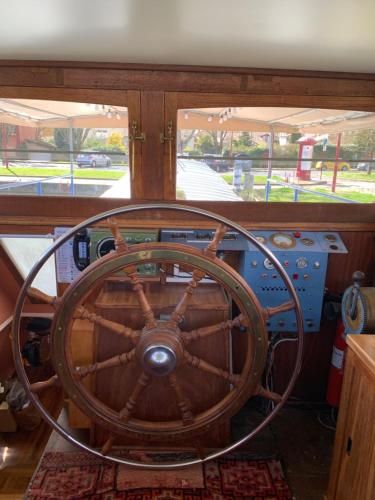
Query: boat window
point(276, 154)
point(57, 148)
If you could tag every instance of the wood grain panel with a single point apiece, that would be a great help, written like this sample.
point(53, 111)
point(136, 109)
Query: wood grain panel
point(215, 99)
point(33, 210)
point(151, 80)
point(352, 470)
point(152, 170)
point(177, 78)
point(96, 96)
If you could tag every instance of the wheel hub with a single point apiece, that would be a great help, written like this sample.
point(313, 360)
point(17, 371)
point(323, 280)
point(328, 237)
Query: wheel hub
point(160, 350)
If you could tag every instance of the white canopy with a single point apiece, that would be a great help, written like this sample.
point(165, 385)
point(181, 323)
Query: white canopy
point(267, 119)
point(61, 114)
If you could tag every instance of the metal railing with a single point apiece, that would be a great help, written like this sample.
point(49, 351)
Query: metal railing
point(298, 189)
point(38, 183)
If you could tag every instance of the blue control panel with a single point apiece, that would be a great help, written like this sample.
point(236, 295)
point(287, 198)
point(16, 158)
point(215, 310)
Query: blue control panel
point(303, 255)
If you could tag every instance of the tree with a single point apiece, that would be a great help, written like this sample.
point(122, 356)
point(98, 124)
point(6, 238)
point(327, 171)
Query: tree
point(205, 144)
point(364, 141)
point(61, 138)
point(115, 142)
point(244, 140)
point(218, 138)
point(183, 141)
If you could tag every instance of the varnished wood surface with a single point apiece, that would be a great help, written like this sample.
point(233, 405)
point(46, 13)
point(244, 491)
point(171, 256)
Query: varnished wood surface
point(24, 451)
point(30, 214)
point(183, 78)
point(364, 348)
point(352, 474)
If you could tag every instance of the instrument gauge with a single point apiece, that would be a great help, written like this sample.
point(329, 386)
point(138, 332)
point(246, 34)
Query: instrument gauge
point(283, 240)
point(301, 262)
point(308, 242)
point(261, 239)
point(331, 238)
point(268, 264)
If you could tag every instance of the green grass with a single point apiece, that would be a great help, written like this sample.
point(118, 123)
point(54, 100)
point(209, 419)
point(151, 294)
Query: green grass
point(353, 176)
point(91, 173)
point(285, 194)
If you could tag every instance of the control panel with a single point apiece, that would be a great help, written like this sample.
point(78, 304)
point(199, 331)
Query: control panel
point(90, 245)
point(303, 255)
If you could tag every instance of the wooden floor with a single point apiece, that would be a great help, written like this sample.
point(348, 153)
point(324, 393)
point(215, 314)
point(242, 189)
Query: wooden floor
point(20, 451)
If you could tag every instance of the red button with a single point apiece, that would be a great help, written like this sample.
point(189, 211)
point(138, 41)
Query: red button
point(295, 276)
point(297, 234)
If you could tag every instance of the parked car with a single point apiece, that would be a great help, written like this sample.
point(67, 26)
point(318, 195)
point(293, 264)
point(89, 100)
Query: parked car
point(363, 166)
point(93, 160)
point(330, 165)
point(217, 162)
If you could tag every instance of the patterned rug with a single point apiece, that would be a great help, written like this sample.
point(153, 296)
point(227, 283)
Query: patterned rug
point(73, 476)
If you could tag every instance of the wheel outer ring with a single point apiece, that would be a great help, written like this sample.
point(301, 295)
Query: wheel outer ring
point(141, 208)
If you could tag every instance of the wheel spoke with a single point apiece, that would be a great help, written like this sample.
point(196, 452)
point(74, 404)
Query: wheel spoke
point(141, 383)
point(183, 403)
point(40, 386)
point(118, 360)
point(271, 311)
point(82, 313)
point(206, 331)
point(211, 248)
point(265, 393)
point(120, 243)
point(131, 272)
point(198, 275)
point(202, 365)
point(107, 446)
point(179, 311)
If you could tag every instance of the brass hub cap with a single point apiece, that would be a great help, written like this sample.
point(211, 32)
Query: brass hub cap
point(159, 350)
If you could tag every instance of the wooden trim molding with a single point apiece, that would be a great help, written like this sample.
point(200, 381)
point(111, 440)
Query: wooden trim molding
point(39, 214)
point(254, 81)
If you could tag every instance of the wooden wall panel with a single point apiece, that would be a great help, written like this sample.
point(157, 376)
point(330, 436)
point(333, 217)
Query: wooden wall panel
point(184, 78)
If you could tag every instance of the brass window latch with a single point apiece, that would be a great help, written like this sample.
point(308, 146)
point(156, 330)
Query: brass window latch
point(136, 135)
point(169, 136)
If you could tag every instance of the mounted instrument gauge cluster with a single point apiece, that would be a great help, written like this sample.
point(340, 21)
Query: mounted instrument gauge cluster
point(303, 255)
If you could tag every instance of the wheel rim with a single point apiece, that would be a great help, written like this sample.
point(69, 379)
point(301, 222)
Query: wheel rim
point(139, 208)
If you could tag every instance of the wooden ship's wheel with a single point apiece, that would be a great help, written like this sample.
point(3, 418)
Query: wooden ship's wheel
point(161, 349)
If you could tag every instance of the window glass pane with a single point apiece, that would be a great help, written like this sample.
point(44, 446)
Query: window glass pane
point(276, 154)
point(58, 148)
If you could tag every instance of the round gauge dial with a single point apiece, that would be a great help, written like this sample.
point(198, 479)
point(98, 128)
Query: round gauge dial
point(283, 240)
point(261, 239)
point(105, 246)
point(268, 264)
point(301, 262)
point(307, 241)
point(330, 237)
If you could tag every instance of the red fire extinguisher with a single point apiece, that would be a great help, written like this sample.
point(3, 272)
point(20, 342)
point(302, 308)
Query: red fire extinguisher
point(336, 372)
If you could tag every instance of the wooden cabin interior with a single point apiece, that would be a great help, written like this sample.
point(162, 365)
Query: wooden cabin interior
point(187, 223)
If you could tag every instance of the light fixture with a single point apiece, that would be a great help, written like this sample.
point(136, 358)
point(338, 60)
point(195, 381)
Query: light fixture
point(209, 118)
point(186, 115)
point(118, 117)
point(221, 120)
